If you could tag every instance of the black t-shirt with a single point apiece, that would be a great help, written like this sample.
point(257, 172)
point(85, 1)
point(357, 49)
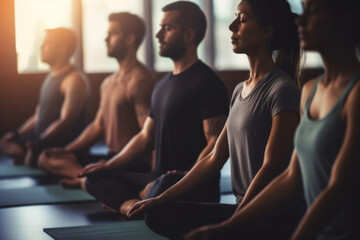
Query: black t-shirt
point(179, 104)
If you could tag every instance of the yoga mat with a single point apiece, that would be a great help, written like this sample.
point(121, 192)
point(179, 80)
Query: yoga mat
point(122, 230)
point(41, 195)
point(8, 170)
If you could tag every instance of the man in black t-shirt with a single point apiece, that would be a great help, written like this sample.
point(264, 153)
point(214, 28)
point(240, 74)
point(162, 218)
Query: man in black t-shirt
point(188, 110)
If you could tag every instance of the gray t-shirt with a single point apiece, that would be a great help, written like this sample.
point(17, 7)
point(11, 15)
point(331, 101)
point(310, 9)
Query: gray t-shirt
point(249, 124)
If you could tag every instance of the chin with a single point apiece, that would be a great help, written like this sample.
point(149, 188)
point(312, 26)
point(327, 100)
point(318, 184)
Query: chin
point(237, 50)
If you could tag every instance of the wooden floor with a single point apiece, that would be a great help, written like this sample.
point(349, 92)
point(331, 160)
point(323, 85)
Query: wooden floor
point(27, 222)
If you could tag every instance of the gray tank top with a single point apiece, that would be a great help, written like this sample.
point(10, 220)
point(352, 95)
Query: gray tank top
point(50, 102)
point(318, 143)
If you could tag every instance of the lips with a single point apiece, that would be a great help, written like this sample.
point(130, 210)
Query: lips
point(161, 45)
point(234, 40)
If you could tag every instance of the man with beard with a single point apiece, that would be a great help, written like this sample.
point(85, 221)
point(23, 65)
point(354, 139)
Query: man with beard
point(124, 105)
point(188, 110)
point(60, 114)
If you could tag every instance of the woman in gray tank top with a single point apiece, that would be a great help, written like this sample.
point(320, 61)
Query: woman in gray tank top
point(258, 135)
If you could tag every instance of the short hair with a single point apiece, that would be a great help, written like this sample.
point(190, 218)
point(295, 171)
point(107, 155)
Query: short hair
point(190, 16)
point(130, 24)
point(65, 37)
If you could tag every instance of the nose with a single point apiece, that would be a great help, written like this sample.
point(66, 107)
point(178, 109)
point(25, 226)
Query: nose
point(158, 34)
point(233, 25)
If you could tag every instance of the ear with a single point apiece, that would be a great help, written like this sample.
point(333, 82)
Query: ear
point(189, 35)
point(130, 39)
point(267, 31)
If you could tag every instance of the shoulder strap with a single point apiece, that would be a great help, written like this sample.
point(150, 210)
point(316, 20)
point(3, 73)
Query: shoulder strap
point(312, 93)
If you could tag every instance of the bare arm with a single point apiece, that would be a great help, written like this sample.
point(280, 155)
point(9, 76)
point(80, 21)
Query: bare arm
point(203, 170)
point(140, 96)
point(273, 195)
point(277, 150)
point(88, 137)
point(29, 124)
point(140, 145)
point(344, 177)
point(212, 129)
point(75, 95)
point(93, 132)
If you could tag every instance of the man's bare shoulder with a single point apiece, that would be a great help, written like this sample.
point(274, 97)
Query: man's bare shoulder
point(76, 79)
point(142, 75)
point(107, 80)
point(141, 83)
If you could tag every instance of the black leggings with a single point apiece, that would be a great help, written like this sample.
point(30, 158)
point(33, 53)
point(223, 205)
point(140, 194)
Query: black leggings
point(174, 220)
point(207, 192)
point(113, 187)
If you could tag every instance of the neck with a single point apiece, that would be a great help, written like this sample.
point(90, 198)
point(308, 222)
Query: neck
point(186, 61)
point(59, 67)
point(260, 64)
point(340, 62)
point(126, 64)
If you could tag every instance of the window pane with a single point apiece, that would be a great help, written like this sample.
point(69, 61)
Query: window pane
point(225, 59)
point(32, 17)
point(95, 25)
point(164, 64)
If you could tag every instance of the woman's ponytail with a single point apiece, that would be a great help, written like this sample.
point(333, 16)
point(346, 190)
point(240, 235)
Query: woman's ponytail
point(285, 39)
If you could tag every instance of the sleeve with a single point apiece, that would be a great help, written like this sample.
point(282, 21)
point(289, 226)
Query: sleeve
point(155, 93)
point(285, 97)
point(214, 100)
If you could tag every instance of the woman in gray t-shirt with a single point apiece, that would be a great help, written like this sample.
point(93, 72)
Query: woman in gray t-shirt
point(258, 134)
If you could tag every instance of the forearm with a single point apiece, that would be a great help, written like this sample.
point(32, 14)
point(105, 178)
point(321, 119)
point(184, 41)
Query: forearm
point(28, 126)
point(57, 128)
point(202, 171)
point(206, 150)
point(88, 137)
point(274, 195)
point(264, 176)
point(137, 148)
point(322, 211)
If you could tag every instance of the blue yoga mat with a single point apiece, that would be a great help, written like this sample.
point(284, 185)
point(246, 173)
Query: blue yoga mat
point(111, 231)
point(41, 195)
point(9, 170)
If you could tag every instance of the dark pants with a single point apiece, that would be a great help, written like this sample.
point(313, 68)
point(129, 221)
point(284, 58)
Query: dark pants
point(207, 192)
point(113, 187)
point(22, 140)
point(174, 220)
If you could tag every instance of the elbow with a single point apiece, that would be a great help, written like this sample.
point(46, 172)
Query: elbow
point(272, 169)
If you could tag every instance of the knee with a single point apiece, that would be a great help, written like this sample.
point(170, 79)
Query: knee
point(163, 183)
point(89, 185)
point(168, 179)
